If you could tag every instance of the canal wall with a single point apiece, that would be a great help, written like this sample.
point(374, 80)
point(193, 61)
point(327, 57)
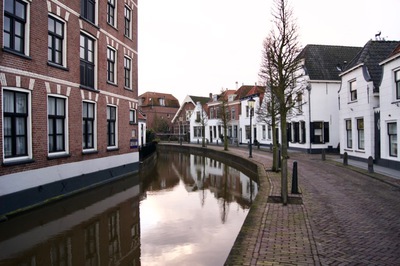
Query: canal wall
point(244, 165)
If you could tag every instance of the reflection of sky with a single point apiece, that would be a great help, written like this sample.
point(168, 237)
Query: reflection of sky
point(177, 230)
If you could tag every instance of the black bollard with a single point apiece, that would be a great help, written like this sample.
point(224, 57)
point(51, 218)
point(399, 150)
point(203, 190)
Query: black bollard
point(323, 154)
point(295, 189)
point(345, 159)
point(370, 164)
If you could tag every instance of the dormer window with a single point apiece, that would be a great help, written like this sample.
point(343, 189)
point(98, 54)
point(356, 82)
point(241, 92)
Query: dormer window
point(161, 101)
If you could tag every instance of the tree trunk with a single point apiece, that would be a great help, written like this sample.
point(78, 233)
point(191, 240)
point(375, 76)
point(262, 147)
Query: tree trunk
point(274, 141)
point(284, 156)
point(225, 139)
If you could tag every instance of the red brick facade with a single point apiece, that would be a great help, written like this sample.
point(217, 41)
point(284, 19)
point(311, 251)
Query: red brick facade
point(32, 73)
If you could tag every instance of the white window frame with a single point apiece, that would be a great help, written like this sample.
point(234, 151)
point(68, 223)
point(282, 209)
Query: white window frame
point(130, 21)
point(360, 134)
point(349, 133)
point(353, 90)
point(64, 44)
point(95, 64)
point(115, 129)
point(134, 120)
point(128, 59)
point(29, 149)
point(115, 64)
point(88, 150)
point(26, 28)
point(66, 131)
point(397, 85)
point(393, 153)
point(115, 20)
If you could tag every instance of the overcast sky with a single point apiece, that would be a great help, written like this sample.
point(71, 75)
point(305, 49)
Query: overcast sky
point(197, 47)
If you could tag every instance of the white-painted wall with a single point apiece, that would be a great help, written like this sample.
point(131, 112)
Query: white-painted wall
point(389, 107)
point(363, 107)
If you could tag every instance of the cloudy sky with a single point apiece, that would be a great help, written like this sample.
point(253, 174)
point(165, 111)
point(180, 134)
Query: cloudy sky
point(197, 47)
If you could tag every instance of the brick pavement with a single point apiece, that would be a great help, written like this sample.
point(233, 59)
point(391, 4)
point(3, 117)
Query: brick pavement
point(347, 218)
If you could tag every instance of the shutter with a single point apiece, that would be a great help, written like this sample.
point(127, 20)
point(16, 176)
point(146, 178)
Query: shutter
point(326, 132)
point(289, 132)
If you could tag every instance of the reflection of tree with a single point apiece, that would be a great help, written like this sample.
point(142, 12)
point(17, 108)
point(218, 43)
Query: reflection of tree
point(224, 203)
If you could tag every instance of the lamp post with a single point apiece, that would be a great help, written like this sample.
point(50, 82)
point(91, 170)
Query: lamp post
point(250, 103)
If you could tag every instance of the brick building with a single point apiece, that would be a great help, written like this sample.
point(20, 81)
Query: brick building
point(159, 109)
point(68, 104)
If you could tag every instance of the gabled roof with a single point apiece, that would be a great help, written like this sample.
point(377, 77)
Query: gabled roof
point(323, 62)
point(202, 100)
point(153, 98)
point(370, 56)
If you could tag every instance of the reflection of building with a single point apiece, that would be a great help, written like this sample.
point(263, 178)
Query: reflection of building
point(68, 116)
point(89, 229)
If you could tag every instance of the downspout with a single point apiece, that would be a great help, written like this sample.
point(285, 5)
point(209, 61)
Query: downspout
point(309, 113)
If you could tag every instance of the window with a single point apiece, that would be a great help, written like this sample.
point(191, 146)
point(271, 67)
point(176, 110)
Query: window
point(296, 132)
point(111, 12)
point(132, 117)
point(111, 125)
point(235, 131)
point(111, 70)
point(15, 123)
point(247, 111)
point(247, 128)
point(397, 81)
point(88, 126)
point(353, 90)
point(198, 132)
point(302, 132)
point(349, 134)
point(87, 66)
point(88, 10)
point(127, 26)
point(211, 113)
point(127, 72)
point(56, 124)
point(360, 130)
point(233, 113)
point(264, 132)
point(15, 25)
point(269, 131)
point(319, 132)
point(198, 116)
point(55, 41)
point(392, 132)
point(299, 102)
point(161, 101)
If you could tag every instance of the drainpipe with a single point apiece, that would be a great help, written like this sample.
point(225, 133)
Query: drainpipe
point(309, 113)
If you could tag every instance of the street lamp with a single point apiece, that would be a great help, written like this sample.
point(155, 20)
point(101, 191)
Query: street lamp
point(250, 103)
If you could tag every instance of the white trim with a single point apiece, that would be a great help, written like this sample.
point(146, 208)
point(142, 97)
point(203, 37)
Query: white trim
point(66, 127)
point(351, 69)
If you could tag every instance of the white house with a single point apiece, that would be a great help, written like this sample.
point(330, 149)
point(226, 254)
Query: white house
point(389, 100)
point(313, 123)
point(359, 99)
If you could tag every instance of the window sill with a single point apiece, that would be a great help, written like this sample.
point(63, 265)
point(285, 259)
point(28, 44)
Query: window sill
point(91, 151)
point(132, 123)
point(359, 151)
point(89, 22)
point(396, 102)
point(112, 83)
point(350, 150)
point(352, 102)
point(58, 156)
point(17, 162)
point(112, 149)
point(128, 89)
point(57, 66)
point(88, 88)
point(17, 53)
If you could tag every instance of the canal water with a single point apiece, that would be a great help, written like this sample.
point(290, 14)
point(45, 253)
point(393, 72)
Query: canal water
point(187, 210)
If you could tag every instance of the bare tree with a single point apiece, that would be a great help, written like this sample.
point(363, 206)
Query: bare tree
point(268, 113)
point(225, 116)
point(202, 119)
point(281, 51)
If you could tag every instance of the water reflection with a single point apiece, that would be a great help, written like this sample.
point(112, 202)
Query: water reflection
point(193, 210)
point(188, 210)
point(99, 227)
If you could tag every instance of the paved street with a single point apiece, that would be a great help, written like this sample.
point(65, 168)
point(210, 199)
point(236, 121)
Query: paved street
point(348, 217)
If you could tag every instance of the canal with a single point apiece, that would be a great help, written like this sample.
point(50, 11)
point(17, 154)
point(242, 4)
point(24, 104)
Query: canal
point(187, 210)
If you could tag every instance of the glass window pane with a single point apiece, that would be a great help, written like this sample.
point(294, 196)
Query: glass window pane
point(60, 143)
point(392, 128)
point(89, 127)
point(8, 101)
point(20, 126)
point(9, 6)
point(21, 103)
point(397, 74)
point(51, 24)
point(85, 111)
point(20, 10)
point(59, 28)
point(59, 126)
point(60, 107)
point(90, 110)
point(50, 124)
point(7, 126)
point(51, 106)
point(7, 147)
point(21, 148)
